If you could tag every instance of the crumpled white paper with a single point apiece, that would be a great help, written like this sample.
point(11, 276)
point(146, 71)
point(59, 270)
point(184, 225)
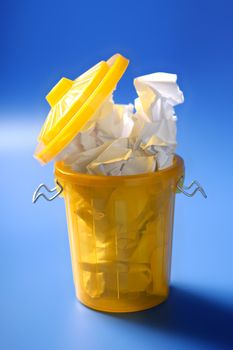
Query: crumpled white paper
point(120, 141)
point(155, 121)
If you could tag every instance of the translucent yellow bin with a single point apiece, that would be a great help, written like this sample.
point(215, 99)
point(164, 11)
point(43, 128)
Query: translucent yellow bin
point(120, 233)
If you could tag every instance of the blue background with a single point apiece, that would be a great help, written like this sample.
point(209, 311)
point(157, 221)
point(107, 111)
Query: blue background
point(41, 41)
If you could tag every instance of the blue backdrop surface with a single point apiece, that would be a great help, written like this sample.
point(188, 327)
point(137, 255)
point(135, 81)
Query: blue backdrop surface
point(42, 41)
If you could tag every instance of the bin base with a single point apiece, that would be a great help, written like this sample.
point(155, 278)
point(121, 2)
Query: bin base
point(121, 307)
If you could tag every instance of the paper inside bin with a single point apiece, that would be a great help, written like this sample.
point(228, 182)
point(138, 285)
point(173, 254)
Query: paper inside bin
point(126, 139)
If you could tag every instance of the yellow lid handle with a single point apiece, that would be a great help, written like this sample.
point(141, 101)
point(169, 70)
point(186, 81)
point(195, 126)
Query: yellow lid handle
point(58, 91)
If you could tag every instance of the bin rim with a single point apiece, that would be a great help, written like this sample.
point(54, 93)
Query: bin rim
point(65, 174)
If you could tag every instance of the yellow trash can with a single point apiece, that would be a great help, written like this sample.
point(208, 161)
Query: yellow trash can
point(120, 232)
point(120, 227)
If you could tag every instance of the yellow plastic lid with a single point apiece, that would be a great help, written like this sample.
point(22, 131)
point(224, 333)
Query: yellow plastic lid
point(73, 103)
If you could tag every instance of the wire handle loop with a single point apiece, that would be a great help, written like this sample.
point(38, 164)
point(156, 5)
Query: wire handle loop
point(184, 189)
point(37, 194)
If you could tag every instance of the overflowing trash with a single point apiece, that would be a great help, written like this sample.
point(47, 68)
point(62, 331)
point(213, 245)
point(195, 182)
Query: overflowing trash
point(127, 139)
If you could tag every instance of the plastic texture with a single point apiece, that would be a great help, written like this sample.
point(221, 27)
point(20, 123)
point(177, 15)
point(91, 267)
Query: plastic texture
point(74, 102)
point(120, 232)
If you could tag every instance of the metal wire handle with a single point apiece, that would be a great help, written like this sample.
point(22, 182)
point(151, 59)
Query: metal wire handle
point(37, 194)
point(182, 188)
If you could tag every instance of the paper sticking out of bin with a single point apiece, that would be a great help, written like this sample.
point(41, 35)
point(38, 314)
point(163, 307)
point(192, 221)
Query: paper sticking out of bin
point(91, 134)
